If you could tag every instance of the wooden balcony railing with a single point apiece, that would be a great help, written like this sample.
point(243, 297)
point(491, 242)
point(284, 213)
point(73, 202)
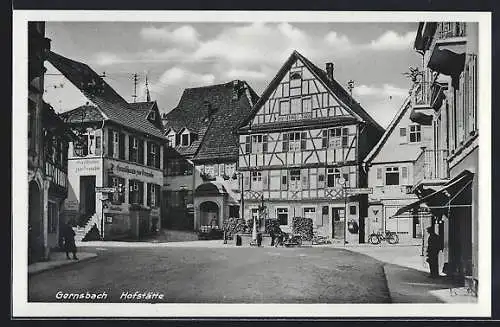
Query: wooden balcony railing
point(430, 164)
point(422, 93)
point(447, 30)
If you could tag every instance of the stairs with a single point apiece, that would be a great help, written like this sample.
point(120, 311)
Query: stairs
point(81, 232)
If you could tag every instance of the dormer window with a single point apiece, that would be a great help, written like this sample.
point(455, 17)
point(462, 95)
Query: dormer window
point(152, 116)
point(171, 139)
point(185, 138)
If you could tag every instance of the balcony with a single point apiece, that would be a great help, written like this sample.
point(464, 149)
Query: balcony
point(447, 30)
point(421, 99)
point(430, 168)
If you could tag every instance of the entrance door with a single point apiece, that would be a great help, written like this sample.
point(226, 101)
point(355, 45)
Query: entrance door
point(338, 217)
point(87, 195)
point(209, 212)
point(34, 223)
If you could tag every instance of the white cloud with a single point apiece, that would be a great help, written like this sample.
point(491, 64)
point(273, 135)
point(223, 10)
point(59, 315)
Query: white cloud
point(107, 59)
point(385, 91)
point(246, 74)
point(391, 40)
point(257, 43)
point(185, 35)
point(181, 76)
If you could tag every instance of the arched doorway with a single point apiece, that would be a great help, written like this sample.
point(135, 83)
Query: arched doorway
point(34, 222)
point(209, 213)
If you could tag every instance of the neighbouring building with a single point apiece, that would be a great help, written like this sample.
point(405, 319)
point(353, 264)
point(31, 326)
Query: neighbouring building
point(391, 175)
point(48, 139)
point(446, 179)
point(120, 146)
point(305, 136)
point(202, 185)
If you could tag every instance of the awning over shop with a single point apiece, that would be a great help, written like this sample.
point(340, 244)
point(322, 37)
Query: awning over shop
point(443, 196)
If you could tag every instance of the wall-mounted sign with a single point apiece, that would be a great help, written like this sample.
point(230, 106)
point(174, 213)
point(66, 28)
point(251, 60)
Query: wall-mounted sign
point(109, 219)
point(367, 190)
point(132, 171)
point(81, 166)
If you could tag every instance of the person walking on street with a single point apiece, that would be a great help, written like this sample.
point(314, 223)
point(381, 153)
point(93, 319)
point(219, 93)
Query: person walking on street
point(433, 248)
point(69, 241)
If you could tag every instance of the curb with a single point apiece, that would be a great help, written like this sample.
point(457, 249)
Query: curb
point(62, 264)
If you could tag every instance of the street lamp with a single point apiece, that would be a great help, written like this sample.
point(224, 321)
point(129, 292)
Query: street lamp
point(342, 182)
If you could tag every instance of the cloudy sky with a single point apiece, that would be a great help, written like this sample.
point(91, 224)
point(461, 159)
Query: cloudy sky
point(175, 56)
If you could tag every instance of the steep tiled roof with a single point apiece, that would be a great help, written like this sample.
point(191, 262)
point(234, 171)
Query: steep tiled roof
point(85, 113)
point(216, 132)
point(143, 107)
point(331, 84)
point(113, 107)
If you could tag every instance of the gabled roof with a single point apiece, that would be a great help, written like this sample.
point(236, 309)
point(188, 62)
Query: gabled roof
point(390, 129)
point(86, 113)
point(112, 106)
point(53, 122)
point(146, 108)
point(330, 84)
point(214, 124)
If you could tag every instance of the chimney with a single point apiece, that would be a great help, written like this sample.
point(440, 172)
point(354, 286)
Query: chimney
point(329, 70)
point(236, 90)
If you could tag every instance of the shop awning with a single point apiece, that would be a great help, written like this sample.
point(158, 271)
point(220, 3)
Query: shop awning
point(444, 195)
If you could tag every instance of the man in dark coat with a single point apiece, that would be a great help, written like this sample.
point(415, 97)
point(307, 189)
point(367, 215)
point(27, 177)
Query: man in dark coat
point(69, 241)
point(433, 248)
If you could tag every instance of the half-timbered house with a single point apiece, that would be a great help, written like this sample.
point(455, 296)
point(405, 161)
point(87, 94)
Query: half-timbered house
point(306, 135)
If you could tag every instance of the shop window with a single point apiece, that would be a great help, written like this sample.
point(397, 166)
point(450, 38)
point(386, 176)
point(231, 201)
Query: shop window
point(136, 192)
point(116, 197)
point(392, 176)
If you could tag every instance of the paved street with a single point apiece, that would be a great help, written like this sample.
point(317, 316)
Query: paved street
point(214, 275)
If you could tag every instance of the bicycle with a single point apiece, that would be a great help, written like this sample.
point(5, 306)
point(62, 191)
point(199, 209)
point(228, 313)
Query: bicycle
point(390, 237)
point(320, 239)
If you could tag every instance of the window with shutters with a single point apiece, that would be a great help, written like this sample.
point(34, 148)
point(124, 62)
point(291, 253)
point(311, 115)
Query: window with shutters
point(295, 179)
point(248, 144)
point(333, 175)
point(98, 142)
point(284, 107)
point(256, 180)
point(284, 180)
point(293, 141)
point(305, 179)
point(379, 173)
point(404, 174)
point(259, 143)
point(133, 152)
point(335, 138)
point(415, 134)
point(391, 176)
point(153, 155)
point(121, 146)
point(306, 105)
point(402, 135)
point(152, 196)
point(115, 144)
point(246, 180)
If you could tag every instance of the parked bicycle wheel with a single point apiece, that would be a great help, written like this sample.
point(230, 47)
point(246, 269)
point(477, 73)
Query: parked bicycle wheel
point(374, 239)
point(393, 238)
